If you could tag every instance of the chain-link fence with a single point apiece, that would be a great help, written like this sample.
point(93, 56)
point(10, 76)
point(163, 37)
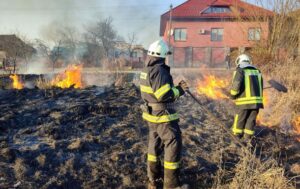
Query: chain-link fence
point(198, 57)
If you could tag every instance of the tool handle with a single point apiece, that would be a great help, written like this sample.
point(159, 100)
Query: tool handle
point(217, 120)
point(190, 93)
point(268, 87)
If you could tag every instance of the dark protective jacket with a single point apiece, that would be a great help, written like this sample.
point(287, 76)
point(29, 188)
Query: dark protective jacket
point(247, 88)
point(158, 91)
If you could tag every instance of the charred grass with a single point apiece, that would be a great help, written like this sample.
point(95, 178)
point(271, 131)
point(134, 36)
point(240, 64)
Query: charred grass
point(95, 138)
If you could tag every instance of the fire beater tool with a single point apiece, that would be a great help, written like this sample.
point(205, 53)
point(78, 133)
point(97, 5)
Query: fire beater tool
point(273, 84)
point(276, 85)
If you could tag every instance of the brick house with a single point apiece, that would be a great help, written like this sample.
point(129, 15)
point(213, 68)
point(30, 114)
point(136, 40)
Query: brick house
point(13, 50)
point(14, 46)
point(204, 32)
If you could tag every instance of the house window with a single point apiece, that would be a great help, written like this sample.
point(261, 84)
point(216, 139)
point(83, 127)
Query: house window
point(217, 34)
point(254, 34)
point(217, 9)
point(180, 34)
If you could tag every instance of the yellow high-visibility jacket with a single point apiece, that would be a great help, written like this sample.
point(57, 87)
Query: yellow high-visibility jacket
point(247, 88)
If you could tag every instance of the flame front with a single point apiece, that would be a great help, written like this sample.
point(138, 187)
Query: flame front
point(17, 84)
point(71, 77)
point(212, 87)
point(296, 126)
point(262, 118)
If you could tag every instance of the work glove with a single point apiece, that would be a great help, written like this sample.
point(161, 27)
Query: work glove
point(183, 85)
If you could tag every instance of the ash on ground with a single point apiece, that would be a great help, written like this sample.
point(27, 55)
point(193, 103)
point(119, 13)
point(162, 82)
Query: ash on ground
point(95, 138)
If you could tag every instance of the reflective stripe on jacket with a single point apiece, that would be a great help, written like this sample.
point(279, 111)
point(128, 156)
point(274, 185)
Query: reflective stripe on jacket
point(156, 84)
point(247, 88)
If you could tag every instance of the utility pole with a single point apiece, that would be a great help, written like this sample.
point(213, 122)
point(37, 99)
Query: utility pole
point(170, 25)
point(170, 60)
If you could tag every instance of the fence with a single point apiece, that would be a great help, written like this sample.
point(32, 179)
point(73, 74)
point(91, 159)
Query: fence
point(196, 57)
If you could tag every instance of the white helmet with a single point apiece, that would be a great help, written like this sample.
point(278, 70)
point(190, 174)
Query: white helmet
point(159, 49)
point(243, 58)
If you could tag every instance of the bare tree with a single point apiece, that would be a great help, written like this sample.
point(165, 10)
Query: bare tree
point(51, 54)
point(93, 51)
point(25, 53)
point(103, 34)
point(55, 54)
point(69, 39)
point(63, 38)
point(131, 40)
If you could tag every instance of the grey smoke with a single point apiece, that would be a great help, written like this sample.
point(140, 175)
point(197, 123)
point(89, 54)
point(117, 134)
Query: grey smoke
point(29, 16)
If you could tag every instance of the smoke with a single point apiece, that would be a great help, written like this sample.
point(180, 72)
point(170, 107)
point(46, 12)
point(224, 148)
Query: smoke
point(100, 79)
point(141, 18)
point(51, 20)
point(34, 66)
point(30, 16)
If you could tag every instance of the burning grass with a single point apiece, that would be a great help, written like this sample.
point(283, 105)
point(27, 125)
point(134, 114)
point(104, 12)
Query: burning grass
point(17, 84)
point(281, 109)
point(296, 126)
point(263, 117)
point(212, 87)
point(70, 77)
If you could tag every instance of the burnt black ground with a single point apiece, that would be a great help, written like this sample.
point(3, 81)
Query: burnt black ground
point(95, 138)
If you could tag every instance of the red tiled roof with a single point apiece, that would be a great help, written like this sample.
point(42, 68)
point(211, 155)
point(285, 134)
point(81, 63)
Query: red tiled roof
point(195, 8)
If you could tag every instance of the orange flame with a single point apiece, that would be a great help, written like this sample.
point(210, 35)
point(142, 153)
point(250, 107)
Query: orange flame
point(71, 77)
point(296, 126)
point(262, 119)
point(17, 84)
point(212, 87)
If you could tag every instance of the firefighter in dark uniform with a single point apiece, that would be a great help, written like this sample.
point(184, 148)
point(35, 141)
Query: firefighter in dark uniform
point(159, 93)
point(247, 91)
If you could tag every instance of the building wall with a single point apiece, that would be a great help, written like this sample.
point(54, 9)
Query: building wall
point(235, 33)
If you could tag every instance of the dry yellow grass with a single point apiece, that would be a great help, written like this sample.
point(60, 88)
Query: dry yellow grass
point(43, 84)
point(279, 58)
point(253, 173)
point(286, 106)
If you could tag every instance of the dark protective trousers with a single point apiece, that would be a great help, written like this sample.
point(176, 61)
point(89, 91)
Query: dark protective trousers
point(164, 137)
point(244, 122)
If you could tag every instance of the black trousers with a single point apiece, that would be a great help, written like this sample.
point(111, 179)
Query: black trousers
point(164, 137)
point(244, 122)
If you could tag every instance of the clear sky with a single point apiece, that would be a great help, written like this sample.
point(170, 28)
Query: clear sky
point(31, 17)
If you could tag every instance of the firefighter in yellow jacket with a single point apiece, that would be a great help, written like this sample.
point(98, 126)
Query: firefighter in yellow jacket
point(159, 93)
point(247, 91)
